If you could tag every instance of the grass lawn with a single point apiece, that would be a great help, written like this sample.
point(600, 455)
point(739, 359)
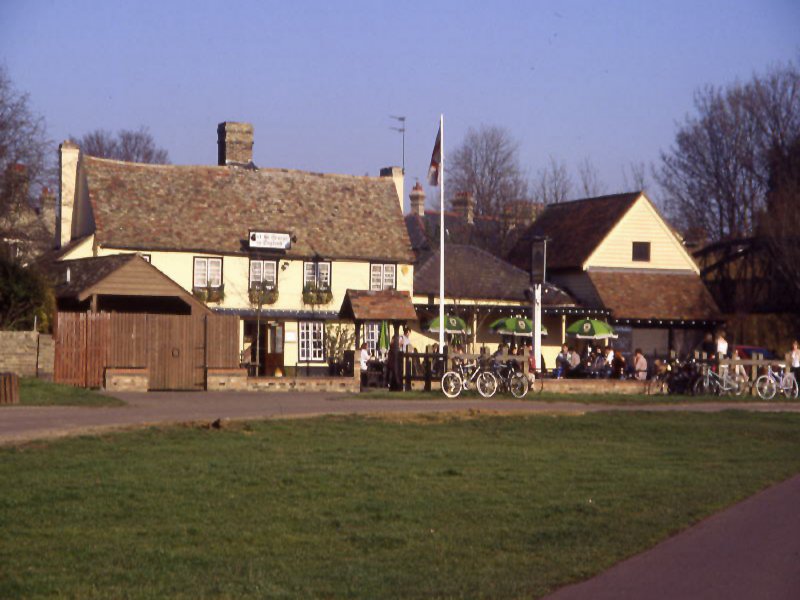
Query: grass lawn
point(37, 392)
point(352, 507)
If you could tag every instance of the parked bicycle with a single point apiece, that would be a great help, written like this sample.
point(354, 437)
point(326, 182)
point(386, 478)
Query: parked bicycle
point(464, 375)
point(711, 382)
point(771, 383)
point(509, 379)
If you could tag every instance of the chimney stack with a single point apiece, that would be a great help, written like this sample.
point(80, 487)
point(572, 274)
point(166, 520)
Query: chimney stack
point(396, 173)
point(417, 200)
point(234, 143)
point(69, 156)
point(464, 205)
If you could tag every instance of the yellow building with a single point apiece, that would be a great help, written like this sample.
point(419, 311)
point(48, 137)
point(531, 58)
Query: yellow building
point(618, 253)
point(277, 247)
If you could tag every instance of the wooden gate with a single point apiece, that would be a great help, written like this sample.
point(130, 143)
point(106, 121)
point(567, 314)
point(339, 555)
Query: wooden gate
point(175, 349)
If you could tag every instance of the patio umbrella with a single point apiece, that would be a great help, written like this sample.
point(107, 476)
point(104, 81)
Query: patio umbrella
point(383, 336)
point(591, 329)
point(452, 325)
point(516, 326)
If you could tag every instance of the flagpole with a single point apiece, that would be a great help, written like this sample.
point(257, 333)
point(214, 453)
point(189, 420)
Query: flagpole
point(441, 237)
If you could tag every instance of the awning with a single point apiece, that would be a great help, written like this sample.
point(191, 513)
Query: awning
point(385, 305)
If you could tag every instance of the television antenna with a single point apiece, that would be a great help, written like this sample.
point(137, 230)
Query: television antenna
point(401, 122)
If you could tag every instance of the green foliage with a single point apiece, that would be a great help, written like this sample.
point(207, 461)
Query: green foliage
point(261, 294)
point(314, 294)
point(209, 294)
point(430, 506)
point(25, 297)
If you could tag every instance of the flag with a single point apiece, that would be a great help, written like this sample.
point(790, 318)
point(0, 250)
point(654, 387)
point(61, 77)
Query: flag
point(434, 171)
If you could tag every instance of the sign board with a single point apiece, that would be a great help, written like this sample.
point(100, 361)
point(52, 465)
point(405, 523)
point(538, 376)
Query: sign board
point(291, 336)
point(270, 240)
point(538, 260)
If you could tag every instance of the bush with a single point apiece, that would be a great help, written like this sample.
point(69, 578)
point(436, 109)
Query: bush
point(25, 297)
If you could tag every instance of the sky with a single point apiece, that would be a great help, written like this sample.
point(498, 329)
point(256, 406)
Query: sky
point(609, 81)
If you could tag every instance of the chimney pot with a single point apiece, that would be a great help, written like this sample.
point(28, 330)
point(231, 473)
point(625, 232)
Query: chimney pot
point(417, 200)
point(464, 205)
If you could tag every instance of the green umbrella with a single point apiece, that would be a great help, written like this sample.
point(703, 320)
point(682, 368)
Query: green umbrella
point(591, 329)
point(383, 336)
point(516, 326)
point(452, 325)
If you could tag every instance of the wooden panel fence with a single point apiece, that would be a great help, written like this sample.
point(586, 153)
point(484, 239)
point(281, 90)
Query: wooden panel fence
point(176, 349)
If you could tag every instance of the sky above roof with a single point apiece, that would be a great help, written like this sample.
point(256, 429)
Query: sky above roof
point(603, 80)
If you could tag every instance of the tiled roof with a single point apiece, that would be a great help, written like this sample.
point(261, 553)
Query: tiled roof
point(473, 273)
point(574, 229)
point(83, 273)
point(212, 209)
point(385, 305)
point(639, 295)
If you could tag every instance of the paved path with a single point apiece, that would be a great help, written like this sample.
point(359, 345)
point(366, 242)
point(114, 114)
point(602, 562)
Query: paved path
point(22, 423)
point(749, 551)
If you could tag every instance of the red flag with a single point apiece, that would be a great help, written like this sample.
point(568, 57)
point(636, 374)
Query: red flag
point(434, 171)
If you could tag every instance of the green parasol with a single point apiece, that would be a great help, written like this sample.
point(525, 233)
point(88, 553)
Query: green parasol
point(516, 326)
point(591, 329)
point(452, 325)
point(383, 336)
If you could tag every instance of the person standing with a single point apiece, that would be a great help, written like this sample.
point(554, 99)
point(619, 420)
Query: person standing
point(639, 365)
point(794, 358)
point(363, 360)
point(722, 345)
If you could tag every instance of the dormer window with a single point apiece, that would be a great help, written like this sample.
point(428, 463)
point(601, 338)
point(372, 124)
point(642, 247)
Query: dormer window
point(641, 252)
point(263, 273)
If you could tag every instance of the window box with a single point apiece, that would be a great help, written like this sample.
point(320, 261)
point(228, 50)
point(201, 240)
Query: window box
point(209, 294)
point(314, 294)
point(260, 295)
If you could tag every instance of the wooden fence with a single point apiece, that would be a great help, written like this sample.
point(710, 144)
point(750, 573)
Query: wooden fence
point(176, 350)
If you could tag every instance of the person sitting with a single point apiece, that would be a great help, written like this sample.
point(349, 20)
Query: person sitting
point(562, 362)
point(618, 365)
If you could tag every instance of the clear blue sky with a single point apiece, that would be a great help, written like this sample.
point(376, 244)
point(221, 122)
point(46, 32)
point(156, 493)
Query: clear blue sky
point(605, 80)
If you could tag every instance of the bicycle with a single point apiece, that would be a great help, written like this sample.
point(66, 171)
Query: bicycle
point(510, 380)
point(711, 382)
point(771, 383)
point(463, 375)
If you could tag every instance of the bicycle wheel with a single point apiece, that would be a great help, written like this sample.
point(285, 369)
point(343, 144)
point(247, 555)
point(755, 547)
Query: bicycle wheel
point(487, 384)
point(789, 386)
point(451, 384)
point(741, 385)
point(518, 384)
point(766, 387)
point(703, 387)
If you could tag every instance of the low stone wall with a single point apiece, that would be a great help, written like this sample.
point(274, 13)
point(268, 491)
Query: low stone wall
point(302, 384)
point(19, 351)
point(47, 356)
point(594, 386)
point(221, 380)
point(126, 380)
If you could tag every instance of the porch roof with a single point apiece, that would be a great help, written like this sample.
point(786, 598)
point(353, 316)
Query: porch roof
point(385, 305)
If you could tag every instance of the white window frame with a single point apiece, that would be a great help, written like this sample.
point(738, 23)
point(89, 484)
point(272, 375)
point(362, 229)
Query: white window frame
point(203, 276)
point(259, 272)
point(311, 346)
point(382, 276)
point(372, 332)
point(318, 274)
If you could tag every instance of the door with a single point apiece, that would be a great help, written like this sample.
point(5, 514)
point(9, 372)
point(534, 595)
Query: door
point(273, 349)
point(172, 352)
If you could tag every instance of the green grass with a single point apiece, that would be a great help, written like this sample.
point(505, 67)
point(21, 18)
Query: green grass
point(37, 392)
point(350, 507)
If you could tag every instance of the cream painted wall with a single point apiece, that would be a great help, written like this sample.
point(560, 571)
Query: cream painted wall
point(83, 249)
point(641, 223)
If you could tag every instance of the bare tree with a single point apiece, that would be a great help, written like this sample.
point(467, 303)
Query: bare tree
point(716, 175)
point(128, 145)
point(26, 166)
point(553, 183)
point(634, 177)
point(590, 179)
point(486, 165)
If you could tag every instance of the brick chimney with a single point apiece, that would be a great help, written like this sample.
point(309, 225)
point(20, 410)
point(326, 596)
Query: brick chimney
point(234, 143)
point(417, 200)
point(396, 173)
point(69, 156)
point(464, 205)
